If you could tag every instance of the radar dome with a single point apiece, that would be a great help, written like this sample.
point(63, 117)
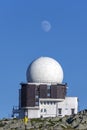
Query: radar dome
point(45, 70)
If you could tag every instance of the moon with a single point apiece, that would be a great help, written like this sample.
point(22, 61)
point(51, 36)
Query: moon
point(46, 26)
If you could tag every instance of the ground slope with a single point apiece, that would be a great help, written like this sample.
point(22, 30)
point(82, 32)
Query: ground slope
point(73, 122)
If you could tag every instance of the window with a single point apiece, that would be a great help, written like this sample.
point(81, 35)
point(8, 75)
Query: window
point(41, 102)
point(48, 103)
point(45, 110)
point(59, 111)
point(48, 87)
point(72, 111)
point(41, 110)
point(44, 103)
point(54, 103)
point(48, 94)
point(36, 103)
point(36, 96)
point(51, 103)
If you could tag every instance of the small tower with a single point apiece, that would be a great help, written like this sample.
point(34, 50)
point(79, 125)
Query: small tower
point(44, 94)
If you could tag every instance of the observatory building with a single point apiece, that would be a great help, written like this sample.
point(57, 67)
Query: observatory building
point(44, 94)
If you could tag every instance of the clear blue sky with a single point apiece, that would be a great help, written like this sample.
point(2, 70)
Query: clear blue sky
point(22, 39)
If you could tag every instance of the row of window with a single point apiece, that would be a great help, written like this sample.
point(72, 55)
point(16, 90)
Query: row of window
point(47, 103)
point(43, 110)
point(59, 111)
point(37, 96)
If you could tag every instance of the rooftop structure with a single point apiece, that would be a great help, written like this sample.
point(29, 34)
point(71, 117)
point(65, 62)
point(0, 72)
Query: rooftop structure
point(44, 70)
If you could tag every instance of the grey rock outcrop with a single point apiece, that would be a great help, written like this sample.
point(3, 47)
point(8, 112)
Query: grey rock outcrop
point(78, 122)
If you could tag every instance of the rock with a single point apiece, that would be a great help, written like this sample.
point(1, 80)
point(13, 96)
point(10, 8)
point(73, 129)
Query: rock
point(1, 128)
point(78, 122)
point(58, 127)
point(55, 119)
point(82, 127)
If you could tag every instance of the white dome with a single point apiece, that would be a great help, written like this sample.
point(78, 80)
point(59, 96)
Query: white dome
point(45, 70)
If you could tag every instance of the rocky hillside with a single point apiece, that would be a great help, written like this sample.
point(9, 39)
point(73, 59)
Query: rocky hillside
point(73, 122)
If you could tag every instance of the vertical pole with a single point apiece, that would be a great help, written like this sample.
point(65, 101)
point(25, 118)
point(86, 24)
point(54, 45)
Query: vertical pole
point(25, 122)
point(25, 127)
point(56, 108)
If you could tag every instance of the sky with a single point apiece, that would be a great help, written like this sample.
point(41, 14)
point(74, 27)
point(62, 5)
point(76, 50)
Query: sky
point(23, 38)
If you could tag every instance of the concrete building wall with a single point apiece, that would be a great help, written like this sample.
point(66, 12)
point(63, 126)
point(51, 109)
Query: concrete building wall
point(33, 113)
point(53, 108)
point(48, 109)
point(68, 106)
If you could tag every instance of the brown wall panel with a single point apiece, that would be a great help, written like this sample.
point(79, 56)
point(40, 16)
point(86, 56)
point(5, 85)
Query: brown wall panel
point(53, 91)
point(61, 92)
point(58, 91)
point(43, 91)
point(28, 96)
